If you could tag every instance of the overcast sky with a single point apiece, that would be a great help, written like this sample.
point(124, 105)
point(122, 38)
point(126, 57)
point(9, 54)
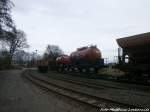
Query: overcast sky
point(75, 23)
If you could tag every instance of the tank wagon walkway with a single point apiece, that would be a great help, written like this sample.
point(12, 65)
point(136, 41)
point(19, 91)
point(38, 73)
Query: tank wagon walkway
point(19, 95)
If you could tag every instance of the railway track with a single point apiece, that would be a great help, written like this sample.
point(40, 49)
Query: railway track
point(95, 85)
point(91, 100)
point(104, 77)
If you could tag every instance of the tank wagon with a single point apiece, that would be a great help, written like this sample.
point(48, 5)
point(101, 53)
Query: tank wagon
point(63, 62)
point(87, 58)
point(135, 56)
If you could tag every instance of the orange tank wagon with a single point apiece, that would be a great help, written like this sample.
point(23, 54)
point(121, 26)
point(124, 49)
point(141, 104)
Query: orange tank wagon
point(88, 57)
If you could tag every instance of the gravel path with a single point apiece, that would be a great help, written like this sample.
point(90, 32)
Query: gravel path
point(19, 95)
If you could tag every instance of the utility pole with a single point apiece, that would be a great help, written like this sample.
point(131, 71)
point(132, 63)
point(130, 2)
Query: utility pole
point(36, 51)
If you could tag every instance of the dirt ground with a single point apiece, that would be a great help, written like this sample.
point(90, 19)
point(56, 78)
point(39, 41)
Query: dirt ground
point(19, 95)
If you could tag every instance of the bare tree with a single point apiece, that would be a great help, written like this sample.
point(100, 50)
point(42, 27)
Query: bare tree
point(52, 52)
point(11, 39)
point(16, 40)
point(6, 22)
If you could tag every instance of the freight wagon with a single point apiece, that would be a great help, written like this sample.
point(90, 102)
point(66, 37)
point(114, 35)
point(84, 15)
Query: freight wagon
point(135, 56)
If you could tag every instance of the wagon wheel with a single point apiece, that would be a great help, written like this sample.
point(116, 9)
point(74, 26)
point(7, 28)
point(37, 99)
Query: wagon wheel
point(59, 69)
point(70, 70)
point(95, 70)
point(85, 70)
point(92, 70)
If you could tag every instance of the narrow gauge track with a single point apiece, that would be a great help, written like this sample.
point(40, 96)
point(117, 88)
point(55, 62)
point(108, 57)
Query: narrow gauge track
point(96, 85)
point(78, 96)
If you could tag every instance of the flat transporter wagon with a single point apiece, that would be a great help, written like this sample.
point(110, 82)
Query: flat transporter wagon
point(135, 56)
